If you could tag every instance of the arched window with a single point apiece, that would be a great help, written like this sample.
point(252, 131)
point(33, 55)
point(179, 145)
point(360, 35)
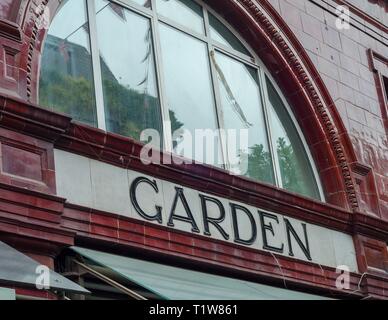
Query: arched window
point(173, 66)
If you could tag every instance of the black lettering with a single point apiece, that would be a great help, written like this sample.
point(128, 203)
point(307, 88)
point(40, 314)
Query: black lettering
point(214, 221)
point(237, 238)
point(305, 247)
point(158, 215)
point(179, 195)
point(268, 227)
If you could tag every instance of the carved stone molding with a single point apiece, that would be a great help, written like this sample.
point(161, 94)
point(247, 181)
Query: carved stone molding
point(10, 30)
point(37, 12)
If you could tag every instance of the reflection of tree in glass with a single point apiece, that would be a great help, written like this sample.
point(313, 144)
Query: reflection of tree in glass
point(175, 123)
point(128, 114)
point(128, 111)
point(260, 168)
point(71, 95)
point(259, 164)
point(290, 170)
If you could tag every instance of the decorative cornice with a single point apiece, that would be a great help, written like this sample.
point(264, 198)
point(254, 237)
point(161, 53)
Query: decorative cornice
point(24, 117)
point(37, 13)
point(10, 30)
point(361, 169)
point(33, 215)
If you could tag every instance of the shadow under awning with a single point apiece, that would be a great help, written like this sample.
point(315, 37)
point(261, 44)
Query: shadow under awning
point(17, 269)
point(173, 283)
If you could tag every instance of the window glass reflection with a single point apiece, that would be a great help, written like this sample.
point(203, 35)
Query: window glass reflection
point(201, 92)
point(188, 83)
point(242, 109)
point(220, 33)
point(66, 78)
point(128, 71)
point(144, 3)
point(101, 4)
point(184, 12)
point(297, 174)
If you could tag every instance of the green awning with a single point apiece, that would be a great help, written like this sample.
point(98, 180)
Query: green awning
point(7, 294)
point(174, 283)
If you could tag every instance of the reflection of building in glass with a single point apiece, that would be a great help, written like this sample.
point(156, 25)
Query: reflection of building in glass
point(69, 58)
point(67, 85)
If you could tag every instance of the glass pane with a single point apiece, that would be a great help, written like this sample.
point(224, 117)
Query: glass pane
point(188, 84)
point(184, 12)
point(242, 109)
point(128, 71)
point(101, 4)
point(66, 78)
point(297, 174)
point(220, 33)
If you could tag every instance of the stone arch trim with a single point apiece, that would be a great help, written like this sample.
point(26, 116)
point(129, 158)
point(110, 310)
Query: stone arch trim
point(280, 50)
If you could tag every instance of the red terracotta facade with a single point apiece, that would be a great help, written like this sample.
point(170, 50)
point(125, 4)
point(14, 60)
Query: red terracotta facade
point(350, 151)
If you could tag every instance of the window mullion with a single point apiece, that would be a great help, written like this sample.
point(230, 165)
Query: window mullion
point(166, 121)
point(251, 60)
point(97, 76)
point(270, 138)
point(217, 96)
point(234, 54)
point(186, 30)
point(134, 7)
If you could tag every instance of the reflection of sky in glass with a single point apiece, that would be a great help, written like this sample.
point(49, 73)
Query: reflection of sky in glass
point(102, 3)
point(187, 80)
point(146, 3)
point(301, 179)
point(242, 109)
point(184, 12)
point(72, 29)
point(187, 76)
point(125, 53)
point(242, 81)
point(223, 35)
point(217, 36)
point(278, 130)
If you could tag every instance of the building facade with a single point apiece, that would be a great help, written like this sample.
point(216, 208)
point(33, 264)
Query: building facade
point(299, 212)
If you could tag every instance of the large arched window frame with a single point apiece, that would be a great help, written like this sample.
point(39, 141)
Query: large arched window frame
point(249, 58)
